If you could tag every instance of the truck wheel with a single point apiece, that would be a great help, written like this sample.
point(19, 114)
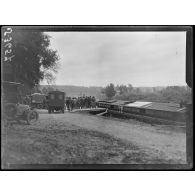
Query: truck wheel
point(32, 117)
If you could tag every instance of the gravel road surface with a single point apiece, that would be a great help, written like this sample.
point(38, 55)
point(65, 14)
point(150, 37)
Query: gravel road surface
point(167, 142)
point(80, 138)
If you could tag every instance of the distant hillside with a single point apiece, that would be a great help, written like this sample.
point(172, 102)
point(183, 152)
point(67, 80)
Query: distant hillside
point(75, 91)
point(149, 89)
point(157, 94)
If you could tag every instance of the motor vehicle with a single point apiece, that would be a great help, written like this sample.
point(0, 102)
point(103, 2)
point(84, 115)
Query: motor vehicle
point(13, 107)
point(56, 101)
point(38, 100)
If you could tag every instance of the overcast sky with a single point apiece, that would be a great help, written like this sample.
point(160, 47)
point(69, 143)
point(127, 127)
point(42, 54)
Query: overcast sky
point(139, 58)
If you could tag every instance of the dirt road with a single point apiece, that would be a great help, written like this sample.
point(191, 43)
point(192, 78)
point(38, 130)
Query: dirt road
point(77, 138)
point(167, 142)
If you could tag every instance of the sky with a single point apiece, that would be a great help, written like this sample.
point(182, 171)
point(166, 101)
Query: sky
point(139, 58)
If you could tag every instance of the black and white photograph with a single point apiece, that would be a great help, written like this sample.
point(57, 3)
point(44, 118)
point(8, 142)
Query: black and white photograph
point(96, 97)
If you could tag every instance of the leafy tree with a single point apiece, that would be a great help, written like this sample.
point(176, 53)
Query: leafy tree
point(109, 90)
point(130, 88)
point(49, 77)
point(34, 59)
point(123, 89)
point(36, 89)
point(102, 91)
point(168, 94)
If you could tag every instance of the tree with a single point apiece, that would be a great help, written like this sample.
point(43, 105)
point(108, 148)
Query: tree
point(109, 90)
point(33, 57)
point(36, 89)
point(49, 77)
point(123, 89)
point(130, 88)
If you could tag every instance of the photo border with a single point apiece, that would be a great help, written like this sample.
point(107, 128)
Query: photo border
point(121, 167)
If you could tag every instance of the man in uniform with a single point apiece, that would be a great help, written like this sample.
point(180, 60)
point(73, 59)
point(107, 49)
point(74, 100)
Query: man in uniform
point(77, 103)
point(82, 102)
point(86, 102)
point(67, 103)
point(71, 104)
point(93, 102)
point(89, 101)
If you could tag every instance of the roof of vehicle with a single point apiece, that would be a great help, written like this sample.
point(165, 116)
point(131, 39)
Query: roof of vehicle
point(107, 101)
point(115, 102)
point(11, 83)
point(120, 102)
point(138, 104)
point(173, 107)
point(38, 94)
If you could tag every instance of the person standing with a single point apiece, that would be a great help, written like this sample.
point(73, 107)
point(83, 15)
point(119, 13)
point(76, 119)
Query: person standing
point(93, 102)
point(75, 103)
point(86, 102)
point(78, 106)
point(90, 101)
point(82, 102)
point(71, 104)
point(68, 104)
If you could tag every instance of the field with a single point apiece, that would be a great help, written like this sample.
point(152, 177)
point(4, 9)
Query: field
point(73, 138)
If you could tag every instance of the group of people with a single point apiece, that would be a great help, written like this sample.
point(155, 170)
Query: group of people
point(80, 102)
